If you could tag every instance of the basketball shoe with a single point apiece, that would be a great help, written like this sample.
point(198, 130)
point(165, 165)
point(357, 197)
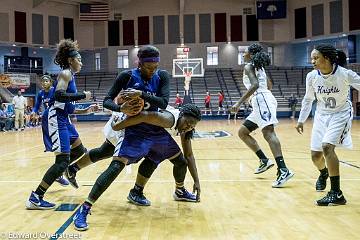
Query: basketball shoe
point(138, 198)
point(321, 182)
point(332, 198)
point(80, 223)
point(181, 194)
point(264, 166)
point(62, 181)
point(36, 202)
point(283, 175)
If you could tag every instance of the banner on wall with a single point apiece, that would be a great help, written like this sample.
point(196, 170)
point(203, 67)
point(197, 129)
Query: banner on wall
point(15, 80)
point(270, 9)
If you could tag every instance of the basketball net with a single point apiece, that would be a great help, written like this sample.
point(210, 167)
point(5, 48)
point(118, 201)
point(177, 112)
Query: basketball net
point(187, 82)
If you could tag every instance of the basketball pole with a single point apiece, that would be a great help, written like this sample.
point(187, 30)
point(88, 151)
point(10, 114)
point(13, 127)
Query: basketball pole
point(187, 98)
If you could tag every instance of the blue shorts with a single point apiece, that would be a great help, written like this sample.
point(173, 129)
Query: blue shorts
point(58, 132)
point(157, 148)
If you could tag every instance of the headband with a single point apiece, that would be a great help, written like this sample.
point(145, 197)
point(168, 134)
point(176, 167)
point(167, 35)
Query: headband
point(149, 59)
point(73, 53)
point(46, 77)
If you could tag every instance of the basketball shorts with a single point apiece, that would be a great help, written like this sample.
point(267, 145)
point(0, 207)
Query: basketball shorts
point(332, 128)
point(263, 110)
point(134, 146)
point(207, 105)
point(59, 133)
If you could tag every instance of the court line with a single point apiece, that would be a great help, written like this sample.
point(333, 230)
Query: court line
point(349, 164)
point(204, 180)
point(21, 150)
point(63, 227)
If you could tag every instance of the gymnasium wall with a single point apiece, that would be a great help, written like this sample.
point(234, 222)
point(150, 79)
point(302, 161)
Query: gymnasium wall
point(199, 23)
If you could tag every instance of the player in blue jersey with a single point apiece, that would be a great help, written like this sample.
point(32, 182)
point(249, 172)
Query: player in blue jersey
point(61, 135)
point(42, 99)
point(142, 140)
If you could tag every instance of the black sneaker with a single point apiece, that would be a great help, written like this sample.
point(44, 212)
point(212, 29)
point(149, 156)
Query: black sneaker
point(138, 198)
point(321, 182)
point(71, 176)
point(333, 198)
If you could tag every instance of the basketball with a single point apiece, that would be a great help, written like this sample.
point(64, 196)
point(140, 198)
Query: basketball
point(139, 102)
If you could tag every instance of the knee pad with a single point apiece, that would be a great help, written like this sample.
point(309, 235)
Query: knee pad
point(62, 161)
point(250, 125)
point(179, 160)
point(77, 152)
point(180, 168)
point(105, 179)
point(147, 167)
point(106, 150)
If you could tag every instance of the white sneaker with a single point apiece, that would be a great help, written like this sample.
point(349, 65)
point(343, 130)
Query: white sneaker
point(264, 166)
point(283, 175)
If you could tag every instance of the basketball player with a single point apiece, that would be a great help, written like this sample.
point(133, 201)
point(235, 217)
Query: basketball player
point(141, 140)
point(330, 83)
point(181, 120)
point(263, 115)
point(43, 98)
point(61, 133)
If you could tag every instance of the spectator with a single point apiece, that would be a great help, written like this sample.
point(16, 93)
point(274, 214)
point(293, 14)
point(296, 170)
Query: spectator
point(178, 101)
point(247, 109)
point(207, 103)
point(6, 122)
point(292, 105)
point(28, 116)
point(19, 104)
point(221, 101)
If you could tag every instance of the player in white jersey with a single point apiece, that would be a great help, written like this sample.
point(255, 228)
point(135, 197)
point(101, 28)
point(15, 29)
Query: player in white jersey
point(330, 83)
point(263, 115)
point(182, 121)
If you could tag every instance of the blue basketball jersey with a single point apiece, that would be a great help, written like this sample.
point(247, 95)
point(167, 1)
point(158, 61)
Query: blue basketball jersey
point(43, 98)
point(68, 107)
point(151, 87)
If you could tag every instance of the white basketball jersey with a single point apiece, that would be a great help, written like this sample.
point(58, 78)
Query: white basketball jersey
point(110, 134)
point(262, 78)
point(332, 91)
point(175, 112)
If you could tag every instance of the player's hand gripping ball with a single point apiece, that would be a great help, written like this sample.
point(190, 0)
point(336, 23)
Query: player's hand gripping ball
point(130, 106)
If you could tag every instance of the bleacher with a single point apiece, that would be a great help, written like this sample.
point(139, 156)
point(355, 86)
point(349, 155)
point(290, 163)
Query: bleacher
point(287, 81)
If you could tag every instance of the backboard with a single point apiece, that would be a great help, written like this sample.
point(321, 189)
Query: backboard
point(182, 67)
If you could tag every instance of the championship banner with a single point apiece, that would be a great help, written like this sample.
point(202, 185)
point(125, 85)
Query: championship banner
point(15, 80)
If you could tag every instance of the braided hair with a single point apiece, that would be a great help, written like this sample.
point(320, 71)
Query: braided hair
point(66, 48)
point(335, 56)
point(191, 110)
point(259, 58)
point(341, 58)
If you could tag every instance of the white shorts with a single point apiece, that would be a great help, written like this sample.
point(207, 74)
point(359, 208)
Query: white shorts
point(110, 134)
point(332, 128)
point(263, 110)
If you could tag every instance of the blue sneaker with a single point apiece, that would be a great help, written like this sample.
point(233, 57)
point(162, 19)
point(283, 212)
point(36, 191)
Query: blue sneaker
point(35, 202)
point(62, 181)
point(181, 194)
point(80, 218)
point(138, 198)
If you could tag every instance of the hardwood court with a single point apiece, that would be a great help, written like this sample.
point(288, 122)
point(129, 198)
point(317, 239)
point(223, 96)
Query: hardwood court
point(235, 203)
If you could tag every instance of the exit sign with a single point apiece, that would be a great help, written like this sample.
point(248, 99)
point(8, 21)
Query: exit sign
point(186, 49)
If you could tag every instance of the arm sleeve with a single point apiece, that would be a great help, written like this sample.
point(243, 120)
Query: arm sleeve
point(37, 103)
point(309, 97)
point(162, 98)
point(120, 83)
point(63, 96)
point(354, 79)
